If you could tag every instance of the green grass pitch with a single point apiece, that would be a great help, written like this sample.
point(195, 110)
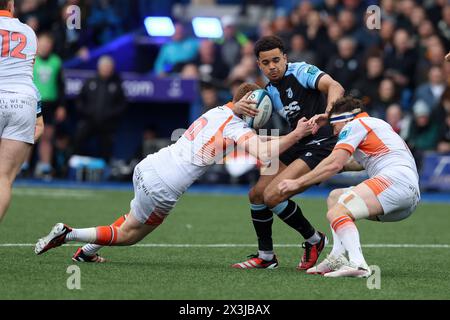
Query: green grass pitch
point(199, 272)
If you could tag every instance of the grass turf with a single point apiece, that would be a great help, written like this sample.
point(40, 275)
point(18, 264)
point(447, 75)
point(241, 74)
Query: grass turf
point(204, 272)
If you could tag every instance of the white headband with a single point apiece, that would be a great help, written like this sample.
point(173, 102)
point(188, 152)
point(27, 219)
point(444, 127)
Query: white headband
point(341, 117)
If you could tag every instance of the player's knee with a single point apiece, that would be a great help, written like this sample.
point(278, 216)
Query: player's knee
point(333, 197)
point(6, 180)
point(332, 214)
point(256, 196)
point(351, 204)
point(271, 198)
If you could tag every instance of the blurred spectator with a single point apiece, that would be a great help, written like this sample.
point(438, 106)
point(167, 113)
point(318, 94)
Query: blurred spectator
point(63, 149)
point(423, 133)
point(418, 17)
point(388, 12)
point(69, 42)
point(366, 38)
point(344, 66)
point(299, 50)
point(151, 142)
point(387, 95)
point(398, 121)
point(100, 106)
point(190, 72)
point(327, 49)
point(282, 28)
point(434, 10)
point(387, 34)
point(405, 8)
point(210, 66)
point(440, 112)
point(431, 92)
point(347, 22)
point(358, 8)
point(265, 28)
point(49, 80)
point(444, 26)
point(314, 30)
point(434, 56)
point(328, 8)
point(401, 60)
point(366, 88)
point(104, 21)
point(231, 42)
point(444, 138)
point(210, 96)
point(175, 54)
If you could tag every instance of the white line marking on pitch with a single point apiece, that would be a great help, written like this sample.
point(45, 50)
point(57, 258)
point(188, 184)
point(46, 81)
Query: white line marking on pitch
point(54, 193)
point(230, 245)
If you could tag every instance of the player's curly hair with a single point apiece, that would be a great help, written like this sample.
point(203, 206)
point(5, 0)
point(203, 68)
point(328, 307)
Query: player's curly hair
point(346, 104)
point(243, 89)
point(4, 4)
point(269, 43)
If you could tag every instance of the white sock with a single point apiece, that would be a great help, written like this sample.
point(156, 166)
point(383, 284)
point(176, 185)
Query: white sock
point(91, 249)
point(349, 235)
point(82, 235)
point(338, 248)
point(266, 255)
point(314, 239)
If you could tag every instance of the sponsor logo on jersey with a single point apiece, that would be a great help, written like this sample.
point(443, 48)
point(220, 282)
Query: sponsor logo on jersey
point(289, 92)
point(312, 70)
point(344, 134)
point(292, 109)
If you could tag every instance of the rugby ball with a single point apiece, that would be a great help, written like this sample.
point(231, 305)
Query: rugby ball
point(264, 105)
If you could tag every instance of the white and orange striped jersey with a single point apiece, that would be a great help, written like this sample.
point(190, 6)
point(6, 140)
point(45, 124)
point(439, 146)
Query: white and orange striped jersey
point(18, 50)
point(375, 145)
point(207, 141)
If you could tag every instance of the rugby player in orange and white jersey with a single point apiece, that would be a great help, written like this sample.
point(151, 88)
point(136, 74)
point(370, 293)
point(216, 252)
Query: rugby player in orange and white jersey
point(19, 105)
point(391, 194)
point(160, 179)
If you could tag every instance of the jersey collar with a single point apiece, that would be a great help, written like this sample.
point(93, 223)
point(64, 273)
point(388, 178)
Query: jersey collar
point(5, 13)
point(230, 105)
point(362, 115)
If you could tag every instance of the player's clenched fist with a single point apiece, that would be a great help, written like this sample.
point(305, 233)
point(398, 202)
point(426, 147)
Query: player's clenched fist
point(287, 186)
point(304, 128)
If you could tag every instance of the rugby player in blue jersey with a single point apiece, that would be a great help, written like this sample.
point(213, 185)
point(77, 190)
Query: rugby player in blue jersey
point(297, 90)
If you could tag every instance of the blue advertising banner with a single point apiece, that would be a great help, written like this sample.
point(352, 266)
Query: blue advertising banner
point(435, 172)
point(139, 88)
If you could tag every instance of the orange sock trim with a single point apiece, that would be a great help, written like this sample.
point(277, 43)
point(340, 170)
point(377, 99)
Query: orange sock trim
point(154, 220)
point(106, 236)
point(120, 221)
point(340, 222)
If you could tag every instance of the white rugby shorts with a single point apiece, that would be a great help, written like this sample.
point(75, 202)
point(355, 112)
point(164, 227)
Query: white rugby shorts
point(398, 193)
point(17, 117)
point(151, 194)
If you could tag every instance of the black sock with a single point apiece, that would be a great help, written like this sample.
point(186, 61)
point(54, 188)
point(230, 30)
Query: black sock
point(262, 222)
point(292, 215)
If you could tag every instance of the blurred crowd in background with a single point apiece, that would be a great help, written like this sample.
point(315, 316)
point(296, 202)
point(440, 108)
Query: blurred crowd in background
point(398, 70)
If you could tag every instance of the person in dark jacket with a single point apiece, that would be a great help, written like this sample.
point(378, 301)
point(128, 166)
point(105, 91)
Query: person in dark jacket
point(100, 105)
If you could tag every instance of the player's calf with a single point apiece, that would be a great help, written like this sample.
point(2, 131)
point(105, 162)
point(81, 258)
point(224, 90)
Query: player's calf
point(130, 233)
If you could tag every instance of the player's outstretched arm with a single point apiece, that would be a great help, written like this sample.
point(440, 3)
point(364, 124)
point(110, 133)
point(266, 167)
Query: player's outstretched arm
point(325, 170)
point(353, 165)
point(334, 90)
point(265, 150)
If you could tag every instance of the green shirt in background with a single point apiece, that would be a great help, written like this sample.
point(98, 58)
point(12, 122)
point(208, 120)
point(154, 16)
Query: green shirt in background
point(46, 77)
